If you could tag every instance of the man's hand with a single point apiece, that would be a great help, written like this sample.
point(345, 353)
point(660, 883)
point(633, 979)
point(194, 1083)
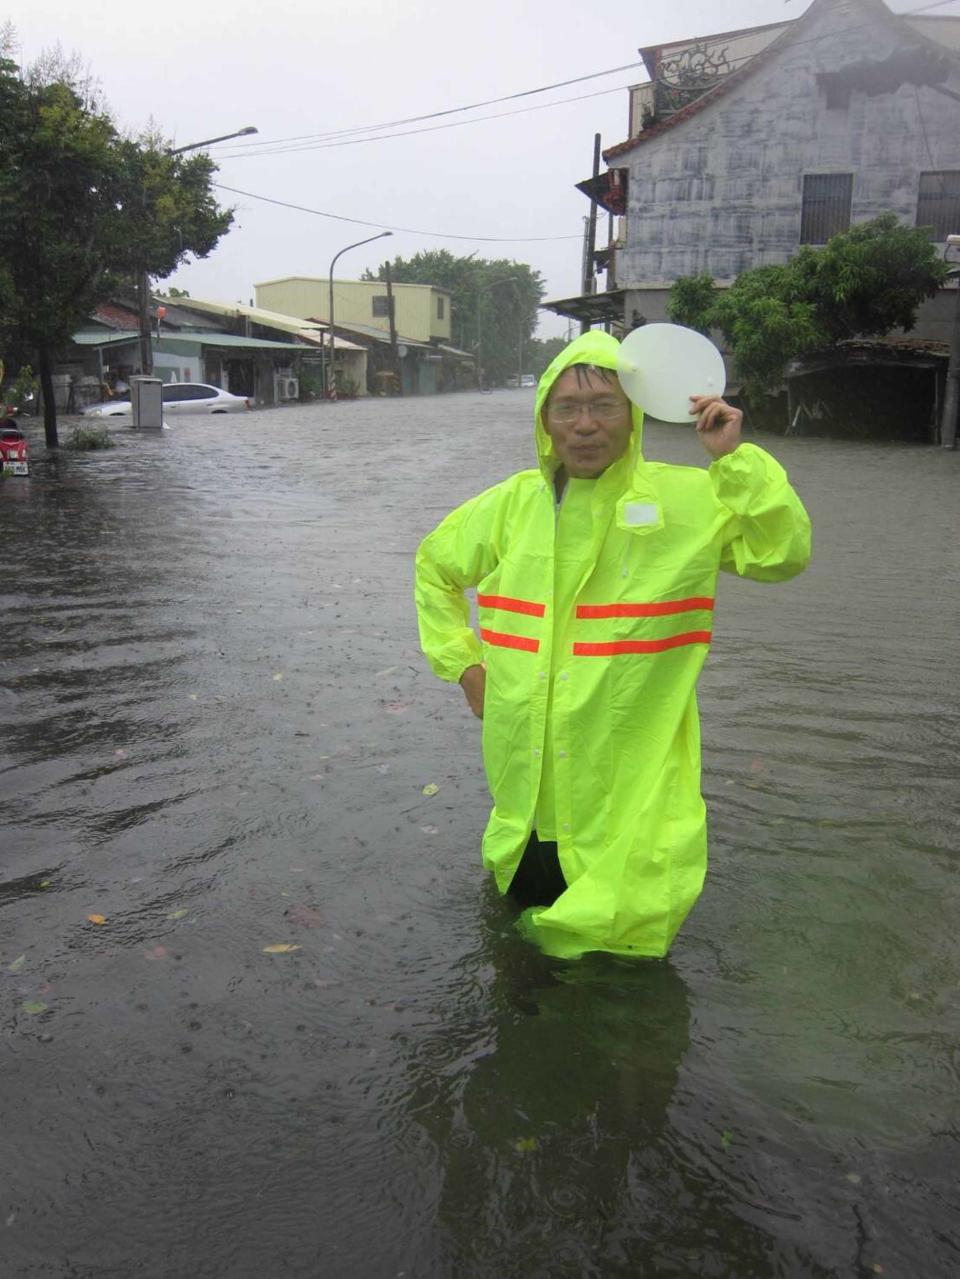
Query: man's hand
point(718, 424)
point(473, 681)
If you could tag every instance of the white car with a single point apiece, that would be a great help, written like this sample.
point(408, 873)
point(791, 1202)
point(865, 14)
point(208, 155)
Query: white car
point(178, 397)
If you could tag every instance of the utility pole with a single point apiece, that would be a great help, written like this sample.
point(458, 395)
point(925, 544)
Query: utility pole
point(395, 359)
point(951, 395)
point(591, 244)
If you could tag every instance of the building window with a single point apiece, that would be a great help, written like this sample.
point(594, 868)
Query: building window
point(827, 198)
point(381, 305)
point(938, 206)
point(440, 307)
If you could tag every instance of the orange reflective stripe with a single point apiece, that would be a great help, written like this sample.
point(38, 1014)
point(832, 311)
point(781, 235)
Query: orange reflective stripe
point(509, 641)
point(641, 646)
point(662, 609)
point(510, 605)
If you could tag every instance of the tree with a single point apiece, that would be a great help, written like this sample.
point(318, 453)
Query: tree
point(541, 352)
point(494, 301)
point(866, 281)
point(82, 207)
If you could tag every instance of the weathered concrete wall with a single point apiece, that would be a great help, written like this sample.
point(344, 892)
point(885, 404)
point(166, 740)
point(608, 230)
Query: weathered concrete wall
point(721, 191)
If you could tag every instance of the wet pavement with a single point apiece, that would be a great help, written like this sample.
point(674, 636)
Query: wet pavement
point(216, 731)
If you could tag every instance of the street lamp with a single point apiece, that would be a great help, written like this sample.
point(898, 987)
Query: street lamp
point(143, 280)
point(332, 375)
point(480, 292)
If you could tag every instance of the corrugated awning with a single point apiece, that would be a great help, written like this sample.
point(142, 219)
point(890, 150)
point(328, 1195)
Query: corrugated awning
point(231, 340)
point(591, 308)
point(103, 337)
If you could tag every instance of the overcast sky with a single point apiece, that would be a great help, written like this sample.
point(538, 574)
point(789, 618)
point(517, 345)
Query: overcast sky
point(306, 67)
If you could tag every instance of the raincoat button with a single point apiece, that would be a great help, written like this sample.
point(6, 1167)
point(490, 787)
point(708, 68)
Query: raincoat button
point(563, 754)
point(564, 675)
point(536, 750)
point(543, 674)
point(566, 825)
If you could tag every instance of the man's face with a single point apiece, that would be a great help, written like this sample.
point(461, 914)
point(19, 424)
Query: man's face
point(588, 419)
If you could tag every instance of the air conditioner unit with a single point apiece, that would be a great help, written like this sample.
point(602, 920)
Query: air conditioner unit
point(286, 387)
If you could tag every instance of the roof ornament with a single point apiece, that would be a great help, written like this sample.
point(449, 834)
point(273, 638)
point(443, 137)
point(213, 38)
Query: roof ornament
point(693, 71)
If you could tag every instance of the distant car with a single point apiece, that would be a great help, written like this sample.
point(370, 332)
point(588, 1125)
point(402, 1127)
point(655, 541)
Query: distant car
point(527, 379)
point(178, 397)
point(513, 381)
point(14, 455)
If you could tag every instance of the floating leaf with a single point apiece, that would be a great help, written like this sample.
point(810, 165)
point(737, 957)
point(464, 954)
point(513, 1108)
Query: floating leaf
point(524, 1144)
point(193, 696)
point(431, 788)
point(97, 919)
point(726, 1137)
point(177, 914)
point(854, 1178)
point(34, 1006)
point(278, 677)
point(430, 830)
point(17, 964)
point(45, 883)
point(280, 948)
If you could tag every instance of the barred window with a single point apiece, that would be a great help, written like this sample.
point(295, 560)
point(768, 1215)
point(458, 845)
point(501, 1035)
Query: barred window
point(381, 304)
point(827, 198)
point(440, 307)
point(938, 205)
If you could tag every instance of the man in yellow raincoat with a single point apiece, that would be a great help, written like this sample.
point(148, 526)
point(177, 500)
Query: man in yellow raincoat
point(596, 576)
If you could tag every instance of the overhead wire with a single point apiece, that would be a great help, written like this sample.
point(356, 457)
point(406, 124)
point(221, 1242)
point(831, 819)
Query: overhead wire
point(433, 115)
point(432, 128)
point(384, 226)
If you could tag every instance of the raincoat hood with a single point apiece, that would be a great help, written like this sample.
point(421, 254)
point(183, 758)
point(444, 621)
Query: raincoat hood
point(627, 483)
point(594, 348)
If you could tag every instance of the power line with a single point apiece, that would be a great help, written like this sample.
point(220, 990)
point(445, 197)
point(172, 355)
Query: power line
point(433, 235)
point(433, 115)
point(407, 133)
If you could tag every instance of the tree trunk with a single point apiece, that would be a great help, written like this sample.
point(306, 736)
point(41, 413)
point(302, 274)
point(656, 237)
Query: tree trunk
point(49, 403)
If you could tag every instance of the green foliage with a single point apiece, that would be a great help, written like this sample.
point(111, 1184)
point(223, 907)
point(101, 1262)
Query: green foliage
point(691, 301)
point(499, 296)
point(540, 353)
point(84, 438)
point(866, 281)
point(81, 206)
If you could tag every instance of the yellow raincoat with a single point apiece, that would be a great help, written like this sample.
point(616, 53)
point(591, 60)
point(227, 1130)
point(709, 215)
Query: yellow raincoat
point(595, 621)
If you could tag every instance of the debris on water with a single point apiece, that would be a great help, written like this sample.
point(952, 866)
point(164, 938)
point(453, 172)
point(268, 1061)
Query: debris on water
point(726, 1138)
point(177, 914)
point(17, 964)
point(97, 919)
point(389, 671)
point(34, 1006)
point(304, 916)
point(854, 1178)
point(45, 883)
point(278, 676)
point(430, 830)
point(280, 948)
point(397, 708)
point(431, 788)
point(156, 952)
point(524, 1144)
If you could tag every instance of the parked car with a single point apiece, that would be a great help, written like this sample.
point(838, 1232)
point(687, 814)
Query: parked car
point(527, 379)
point(178, 397)
point(14, 454)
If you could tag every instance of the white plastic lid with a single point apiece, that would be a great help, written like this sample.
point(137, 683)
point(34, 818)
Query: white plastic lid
point(661, 365)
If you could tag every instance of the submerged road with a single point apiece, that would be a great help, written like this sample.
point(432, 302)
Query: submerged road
point(304, 1039)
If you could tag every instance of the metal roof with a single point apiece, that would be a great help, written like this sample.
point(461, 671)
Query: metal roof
point(231, 339)
point(309, 331)
point(103, 337)
point(591, 308)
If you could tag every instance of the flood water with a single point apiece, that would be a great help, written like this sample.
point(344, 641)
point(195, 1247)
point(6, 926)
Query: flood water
point(216, 728)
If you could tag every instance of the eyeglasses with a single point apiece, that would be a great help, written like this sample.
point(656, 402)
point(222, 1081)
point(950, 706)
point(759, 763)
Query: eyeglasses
point(566, 412)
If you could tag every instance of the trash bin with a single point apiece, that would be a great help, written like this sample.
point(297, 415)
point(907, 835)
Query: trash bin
point(146, 394)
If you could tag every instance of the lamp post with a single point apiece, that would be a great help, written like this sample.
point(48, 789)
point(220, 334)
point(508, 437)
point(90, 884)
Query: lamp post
point(331, 373)
point(143, 279)
point(506, 279)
